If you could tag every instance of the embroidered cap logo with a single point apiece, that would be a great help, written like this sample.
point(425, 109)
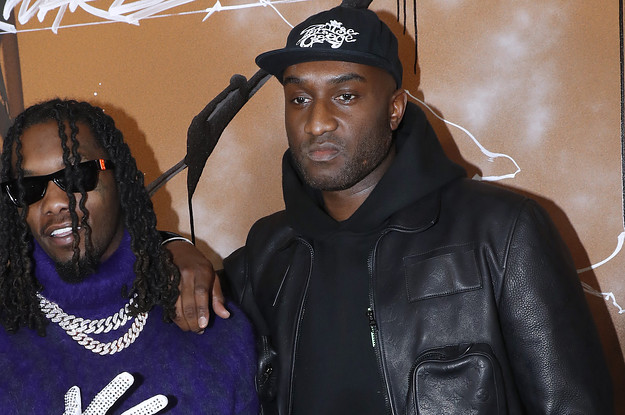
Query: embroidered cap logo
point(332, 32)
point(343, 33)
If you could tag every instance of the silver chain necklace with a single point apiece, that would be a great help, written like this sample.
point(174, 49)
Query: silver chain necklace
point(79, 328)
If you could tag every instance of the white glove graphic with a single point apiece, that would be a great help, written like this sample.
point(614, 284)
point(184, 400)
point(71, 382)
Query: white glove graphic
point(108, 396)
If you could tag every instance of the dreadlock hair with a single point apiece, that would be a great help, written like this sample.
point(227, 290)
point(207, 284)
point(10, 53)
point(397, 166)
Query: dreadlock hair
point(156, 279)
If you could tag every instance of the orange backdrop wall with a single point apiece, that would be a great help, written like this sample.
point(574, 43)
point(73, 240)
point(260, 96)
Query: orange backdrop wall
point(524, 93)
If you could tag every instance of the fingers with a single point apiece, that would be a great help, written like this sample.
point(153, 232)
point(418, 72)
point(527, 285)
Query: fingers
point(201, 305)
point(73, 402)
point(179, 319)
point(198, 281)
point(192, 311)
point(105, 399)
point(196, 278)
point(149, 406)
point(218, 302)
point(199, 288)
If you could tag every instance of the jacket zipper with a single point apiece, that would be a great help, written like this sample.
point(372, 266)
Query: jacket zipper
point(300, 316)
point(373, 325)
point(371, 314)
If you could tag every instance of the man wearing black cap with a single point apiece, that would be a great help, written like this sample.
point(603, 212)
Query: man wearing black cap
point(391, 283)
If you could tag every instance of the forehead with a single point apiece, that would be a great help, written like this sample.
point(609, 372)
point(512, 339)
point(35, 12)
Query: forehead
point(330, 71)
point(41, 144)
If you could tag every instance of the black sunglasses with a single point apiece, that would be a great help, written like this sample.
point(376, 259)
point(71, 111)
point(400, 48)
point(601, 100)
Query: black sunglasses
point(35, 186)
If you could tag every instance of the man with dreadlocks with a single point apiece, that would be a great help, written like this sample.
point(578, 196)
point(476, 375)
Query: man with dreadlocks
point(85, 286)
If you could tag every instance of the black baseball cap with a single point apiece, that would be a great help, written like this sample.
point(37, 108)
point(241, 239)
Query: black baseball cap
point(343, 33)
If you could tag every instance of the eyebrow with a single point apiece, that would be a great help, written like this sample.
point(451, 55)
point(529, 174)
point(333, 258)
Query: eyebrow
point(30, 173)
point(339, 79)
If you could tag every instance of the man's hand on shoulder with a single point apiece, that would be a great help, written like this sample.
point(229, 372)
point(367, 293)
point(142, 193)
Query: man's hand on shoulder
point(199, 284)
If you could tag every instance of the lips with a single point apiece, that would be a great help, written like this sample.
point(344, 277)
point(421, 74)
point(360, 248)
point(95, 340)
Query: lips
point(61, 232)
point(323, 152)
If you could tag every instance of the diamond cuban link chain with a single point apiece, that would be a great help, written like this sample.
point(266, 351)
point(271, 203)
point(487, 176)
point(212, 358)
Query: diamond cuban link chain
point(79, 328)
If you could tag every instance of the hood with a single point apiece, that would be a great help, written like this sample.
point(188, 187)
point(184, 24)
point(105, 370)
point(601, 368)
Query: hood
point(419, 168)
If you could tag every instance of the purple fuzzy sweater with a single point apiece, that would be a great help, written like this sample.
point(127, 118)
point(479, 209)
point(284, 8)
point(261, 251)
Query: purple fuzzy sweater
point(212, 373)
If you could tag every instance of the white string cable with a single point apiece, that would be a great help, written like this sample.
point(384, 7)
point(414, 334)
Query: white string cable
point(483, 149)
point(139, 10)
point(621, 238)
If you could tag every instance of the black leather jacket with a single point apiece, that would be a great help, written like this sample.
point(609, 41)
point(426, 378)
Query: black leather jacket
point(489, 310)
point(475, 303)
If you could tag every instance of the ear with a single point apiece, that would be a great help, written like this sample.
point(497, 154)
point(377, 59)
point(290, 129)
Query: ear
point(397, 107)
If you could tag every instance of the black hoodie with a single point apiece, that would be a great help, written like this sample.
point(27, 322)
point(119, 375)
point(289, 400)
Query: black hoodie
point(335, 367)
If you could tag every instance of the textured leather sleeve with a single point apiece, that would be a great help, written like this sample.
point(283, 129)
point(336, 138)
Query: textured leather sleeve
point(549, 333)
point(237, 276)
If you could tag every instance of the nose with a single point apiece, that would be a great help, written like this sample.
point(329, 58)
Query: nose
point(320, 119)
point(55, 199)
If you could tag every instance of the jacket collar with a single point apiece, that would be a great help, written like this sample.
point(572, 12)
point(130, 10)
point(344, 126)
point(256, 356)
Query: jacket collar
point(419, 216)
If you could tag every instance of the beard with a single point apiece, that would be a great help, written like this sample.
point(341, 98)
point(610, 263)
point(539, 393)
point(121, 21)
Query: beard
point(75, 272)
point(370, 153)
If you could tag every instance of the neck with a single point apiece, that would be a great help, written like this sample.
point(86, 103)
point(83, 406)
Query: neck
point(341, 204)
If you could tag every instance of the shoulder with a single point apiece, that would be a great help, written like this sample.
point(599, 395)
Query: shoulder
point(482, 192)
point(466, 204)
point(231, 336)
point(269, 234)
point(486, 202)
point(225, 351)
point(272, 225)
point(236, 330)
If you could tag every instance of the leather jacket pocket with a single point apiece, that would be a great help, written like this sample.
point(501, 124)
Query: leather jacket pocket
point(462, 379)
